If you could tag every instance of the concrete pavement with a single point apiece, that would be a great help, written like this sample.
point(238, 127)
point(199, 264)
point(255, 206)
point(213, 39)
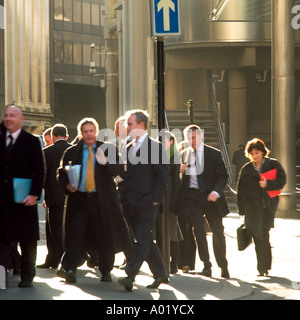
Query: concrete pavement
point(283, 282)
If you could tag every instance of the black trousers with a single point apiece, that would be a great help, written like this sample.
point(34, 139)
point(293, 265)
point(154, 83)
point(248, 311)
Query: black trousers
point(28, 258)
point(142, 223)
point(198, 206)
point(263, 252)
point(85, 218)
point(54, 234)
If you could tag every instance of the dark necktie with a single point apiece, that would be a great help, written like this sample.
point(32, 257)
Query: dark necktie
point(10, 145)
point(200, 180)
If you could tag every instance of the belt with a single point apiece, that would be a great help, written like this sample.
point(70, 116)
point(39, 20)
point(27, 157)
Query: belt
point(196, 189)
point(89, 194)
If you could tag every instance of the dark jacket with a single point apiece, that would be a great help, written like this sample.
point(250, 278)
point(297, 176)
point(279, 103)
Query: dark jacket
point(18, 222)
point(110, 212)
point(253, 201)
point(54, 195)
point(145, 182)
point(215, 178)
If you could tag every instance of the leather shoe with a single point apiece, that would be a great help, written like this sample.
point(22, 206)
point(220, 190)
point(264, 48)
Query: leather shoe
point(157, 282)
point(106, 277)
point(127, 283)
point(225, 273)
point(25, 284)
point(69, 275)
point(206, 272)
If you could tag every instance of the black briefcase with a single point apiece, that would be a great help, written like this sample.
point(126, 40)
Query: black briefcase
point(243, 238)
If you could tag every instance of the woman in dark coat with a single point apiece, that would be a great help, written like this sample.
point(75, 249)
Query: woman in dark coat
point(255, 200)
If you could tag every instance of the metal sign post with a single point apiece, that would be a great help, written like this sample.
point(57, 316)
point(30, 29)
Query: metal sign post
point(165, 21)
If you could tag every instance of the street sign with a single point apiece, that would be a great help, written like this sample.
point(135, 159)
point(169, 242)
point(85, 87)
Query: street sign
point(165, 18)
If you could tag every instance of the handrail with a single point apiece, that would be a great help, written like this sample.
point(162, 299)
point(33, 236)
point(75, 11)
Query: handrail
point(220, 132)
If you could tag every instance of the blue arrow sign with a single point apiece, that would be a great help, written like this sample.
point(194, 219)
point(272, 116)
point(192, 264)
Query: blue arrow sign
point(165, 17)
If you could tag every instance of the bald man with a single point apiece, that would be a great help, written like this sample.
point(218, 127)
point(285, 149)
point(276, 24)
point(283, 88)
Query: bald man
point(21, 157)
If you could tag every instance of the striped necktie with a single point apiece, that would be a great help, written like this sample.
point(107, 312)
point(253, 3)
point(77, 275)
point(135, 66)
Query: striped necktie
point(90, 176)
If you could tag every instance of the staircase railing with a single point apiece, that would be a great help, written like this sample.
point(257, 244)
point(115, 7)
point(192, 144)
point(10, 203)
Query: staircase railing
point(223, 147)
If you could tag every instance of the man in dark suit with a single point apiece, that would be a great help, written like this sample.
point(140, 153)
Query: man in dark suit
point(54, 196)
point(93, 208)
point(21, 157)
point(204, 178)
point(144, 185)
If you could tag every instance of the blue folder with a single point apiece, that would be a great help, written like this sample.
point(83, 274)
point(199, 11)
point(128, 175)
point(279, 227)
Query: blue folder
point(21, 190)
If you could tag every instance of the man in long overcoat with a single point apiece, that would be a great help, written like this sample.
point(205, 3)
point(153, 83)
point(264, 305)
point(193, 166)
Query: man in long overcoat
point(95, 213)
point(21, 157)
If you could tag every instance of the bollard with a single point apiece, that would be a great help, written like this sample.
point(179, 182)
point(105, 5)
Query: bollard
point(2, 278)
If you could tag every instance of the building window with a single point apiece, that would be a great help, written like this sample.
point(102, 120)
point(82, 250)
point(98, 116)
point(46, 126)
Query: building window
point(58, 10)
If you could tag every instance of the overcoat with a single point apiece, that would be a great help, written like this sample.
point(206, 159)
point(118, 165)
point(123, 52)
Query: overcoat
point(117, 236)
point(18, 222)
point(215, 178)
point(253, 201)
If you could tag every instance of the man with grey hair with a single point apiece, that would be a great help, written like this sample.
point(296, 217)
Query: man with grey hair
point(201, 193)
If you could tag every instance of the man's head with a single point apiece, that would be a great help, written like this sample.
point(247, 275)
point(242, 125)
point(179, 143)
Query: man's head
point(88, 129)
point(137, 123)
point(47, 137)
point(13, 118)
point(59, 131)
point(120, 128)
point(193, 135)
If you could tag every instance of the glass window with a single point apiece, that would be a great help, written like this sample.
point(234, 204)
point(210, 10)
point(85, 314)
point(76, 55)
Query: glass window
point(58, 10)
point(95, 14)
point(68, 10)
point(77, 11)
point(86, 13)
point(86, 54)
point(59, 52)
point(68, 53)
point(78, 53)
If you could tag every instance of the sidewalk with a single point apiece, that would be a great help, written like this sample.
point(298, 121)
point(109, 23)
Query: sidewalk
point(243, 284)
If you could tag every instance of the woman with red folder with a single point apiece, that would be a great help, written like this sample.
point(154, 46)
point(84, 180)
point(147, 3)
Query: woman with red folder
point(259, 185)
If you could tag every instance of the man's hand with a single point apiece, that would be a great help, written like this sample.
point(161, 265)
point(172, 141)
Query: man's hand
point(183, 168)
point(70, 188)
point(213, 197)
point(101, 157)
point(30, 201)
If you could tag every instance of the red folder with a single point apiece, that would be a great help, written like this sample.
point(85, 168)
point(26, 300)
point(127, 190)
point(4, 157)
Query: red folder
point(270, 175)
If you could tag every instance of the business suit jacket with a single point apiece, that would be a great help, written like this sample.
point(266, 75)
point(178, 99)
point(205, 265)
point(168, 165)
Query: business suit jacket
point(215, 178)
point(54, 195)
point(116, 232)
point(18, 222)
point(145, 181)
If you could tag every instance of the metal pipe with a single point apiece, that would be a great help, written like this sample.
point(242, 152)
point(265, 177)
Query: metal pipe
point(283, 99)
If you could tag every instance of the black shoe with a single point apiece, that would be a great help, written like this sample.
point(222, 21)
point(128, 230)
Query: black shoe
point(225, 273)
point(206, 272)
point(25, 284)
point(106, 277)
point(157, 282)
point(127, 283)
point(69, 275)
point(263, 273)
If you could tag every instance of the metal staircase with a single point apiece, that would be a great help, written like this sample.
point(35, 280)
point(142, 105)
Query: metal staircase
point(179, 119)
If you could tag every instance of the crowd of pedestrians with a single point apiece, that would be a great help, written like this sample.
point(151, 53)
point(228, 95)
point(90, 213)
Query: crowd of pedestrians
point(102, 198)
